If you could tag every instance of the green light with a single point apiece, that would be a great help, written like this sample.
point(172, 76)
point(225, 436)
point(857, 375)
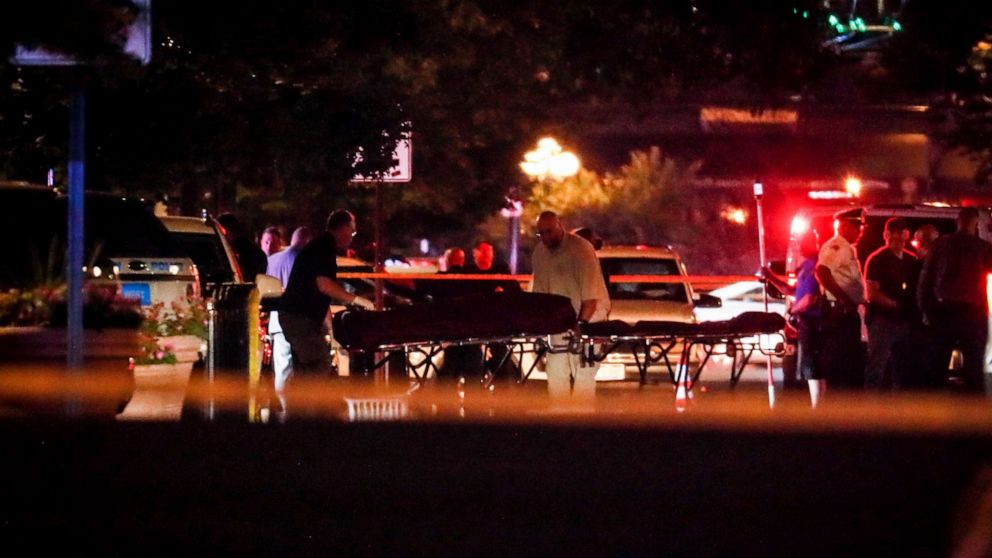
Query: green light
point(832, 20)
point(896, 26)
point(805, 14)
point(839, 27)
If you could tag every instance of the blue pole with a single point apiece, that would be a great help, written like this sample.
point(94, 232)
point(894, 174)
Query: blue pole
point(74, 273)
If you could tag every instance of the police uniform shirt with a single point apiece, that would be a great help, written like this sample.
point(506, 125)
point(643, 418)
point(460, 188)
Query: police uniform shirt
point(841, 259)
point(571, 270)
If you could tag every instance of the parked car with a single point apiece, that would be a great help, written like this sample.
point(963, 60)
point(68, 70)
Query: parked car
point(737, 298)
point(202, 240)
point(124, 244)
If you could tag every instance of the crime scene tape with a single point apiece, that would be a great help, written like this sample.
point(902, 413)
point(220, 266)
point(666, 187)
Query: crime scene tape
point(693, 279)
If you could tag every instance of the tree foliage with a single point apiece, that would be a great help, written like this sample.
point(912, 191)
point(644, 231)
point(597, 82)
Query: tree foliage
point(645, 202)
point(944, 54)
point(260, 107)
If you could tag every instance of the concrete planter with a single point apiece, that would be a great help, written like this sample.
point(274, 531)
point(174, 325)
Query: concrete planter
point(159, 392)
point(35, 377)
point(187, 348)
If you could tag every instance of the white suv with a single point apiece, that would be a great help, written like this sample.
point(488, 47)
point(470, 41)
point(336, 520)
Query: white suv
point(125, 245)
point(636, 301)
point(208, 248)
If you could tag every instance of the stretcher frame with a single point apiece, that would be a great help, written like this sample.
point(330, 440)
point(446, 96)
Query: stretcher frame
point(428, 349)
point(648, 350)
point(596, 348)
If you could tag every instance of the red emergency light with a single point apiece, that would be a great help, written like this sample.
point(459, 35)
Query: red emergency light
point(799, 227)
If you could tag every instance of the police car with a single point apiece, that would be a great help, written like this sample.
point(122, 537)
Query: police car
point(125, 244)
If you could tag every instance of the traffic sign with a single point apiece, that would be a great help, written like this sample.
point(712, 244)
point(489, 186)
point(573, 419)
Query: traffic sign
point(136, 42)
point(402, 169)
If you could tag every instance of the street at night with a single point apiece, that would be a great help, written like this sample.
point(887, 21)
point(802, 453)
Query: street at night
point(624, 277)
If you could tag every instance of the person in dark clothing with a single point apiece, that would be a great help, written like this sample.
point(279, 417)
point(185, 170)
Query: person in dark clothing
point(251, 258)
point(484, 262)
point(311, 288)
point(498, 364)
point(889, 275)
point(454, 264)
point(465, 359)
point(916, 356)
point(952, 296)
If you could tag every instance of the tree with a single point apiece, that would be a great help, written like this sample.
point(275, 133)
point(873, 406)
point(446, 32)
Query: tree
point(260, 107)
point(648, 201)
point(943, 53)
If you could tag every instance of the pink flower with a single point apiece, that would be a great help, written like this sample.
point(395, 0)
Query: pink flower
point(159, 355)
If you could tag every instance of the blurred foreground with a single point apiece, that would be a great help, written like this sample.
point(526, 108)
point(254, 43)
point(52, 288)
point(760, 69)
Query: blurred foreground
point(501, 472)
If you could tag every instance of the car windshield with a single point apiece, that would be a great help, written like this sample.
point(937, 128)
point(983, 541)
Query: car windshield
point(208, 254)
point(670, 292)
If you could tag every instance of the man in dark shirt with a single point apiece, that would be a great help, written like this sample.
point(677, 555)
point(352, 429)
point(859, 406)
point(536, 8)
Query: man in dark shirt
point(499, 364)
point(484, 262)
point(311, 288)
point(461, 360)
point(952, 296)
point(889, 273)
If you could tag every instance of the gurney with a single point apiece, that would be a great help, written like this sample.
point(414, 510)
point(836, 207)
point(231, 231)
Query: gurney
point(511, 319)
point(651, 342)
point(529, 320)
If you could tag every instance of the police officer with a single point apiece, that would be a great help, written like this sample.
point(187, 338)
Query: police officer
point(840, 357)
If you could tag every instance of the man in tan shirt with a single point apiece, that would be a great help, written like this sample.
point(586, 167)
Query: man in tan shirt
point(566, 264)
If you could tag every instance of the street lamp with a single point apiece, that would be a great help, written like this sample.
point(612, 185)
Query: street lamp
point(547, 162)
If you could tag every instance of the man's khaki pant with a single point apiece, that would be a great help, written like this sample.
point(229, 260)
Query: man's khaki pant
point(563, 368)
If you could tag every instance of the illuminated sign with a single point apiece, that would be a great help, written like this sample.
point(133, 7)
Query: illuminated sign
point(709, 116)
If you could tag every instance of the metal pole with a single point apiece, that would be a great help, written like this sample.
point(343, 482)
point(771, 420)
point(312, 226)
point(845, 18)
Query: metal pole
point(380, 375)
point(379, 255)
point(209, 409)
point(74, 272)
point(759, 191)
point(514, 241)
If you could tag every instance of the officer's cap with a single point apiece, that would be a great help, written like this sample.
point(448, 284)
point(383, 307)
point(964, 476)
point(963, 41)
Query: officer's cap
point(850, 216)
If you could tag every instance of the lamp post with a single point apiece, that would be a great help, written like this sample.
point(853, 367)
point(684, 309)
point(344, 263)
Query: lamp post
point(547, 162)
point(759, 194)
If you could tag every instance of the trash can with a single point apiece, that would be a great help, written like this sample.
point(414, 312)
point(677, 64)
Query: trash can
point(234, 341)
